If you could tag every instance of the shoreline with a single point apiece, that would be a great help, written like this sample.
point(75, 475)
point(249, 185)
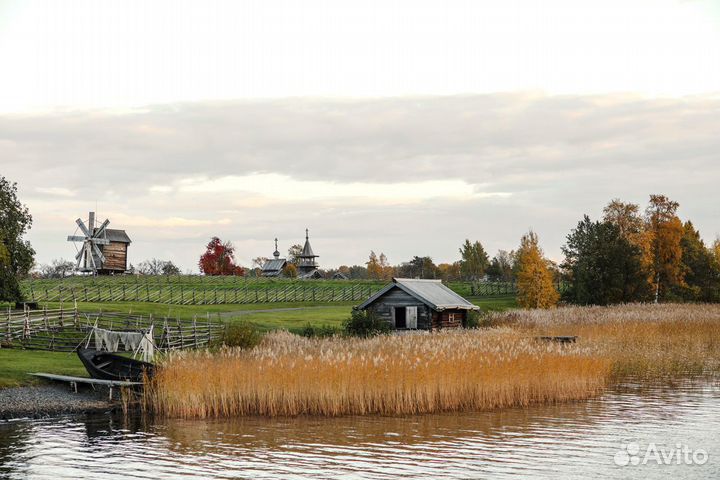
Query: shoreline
point(37, 401)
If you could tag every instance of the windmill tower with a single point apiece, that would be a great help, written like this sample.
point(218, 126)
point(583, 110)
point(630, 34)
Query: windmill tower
point(102, 250)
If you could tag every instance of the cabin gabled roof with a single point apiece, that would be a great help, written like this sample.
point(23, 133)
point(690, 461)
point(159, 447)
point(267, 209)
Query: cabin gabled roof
point(430, 292)
point(315, 273)
point(117, 235)
point(274, 265)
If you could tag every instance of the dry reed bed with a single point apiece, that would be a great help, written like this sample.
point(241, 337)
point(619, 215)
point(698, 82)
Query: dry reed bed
point(641, 340)
point(444, 371)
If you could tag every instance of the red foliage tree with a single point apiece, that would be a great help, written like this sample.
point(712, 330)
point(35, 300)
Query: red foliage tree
point(219, 259)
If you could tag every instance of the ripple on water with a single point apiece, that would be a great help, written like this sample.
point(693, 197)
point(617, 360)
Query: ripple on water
point(567, 440)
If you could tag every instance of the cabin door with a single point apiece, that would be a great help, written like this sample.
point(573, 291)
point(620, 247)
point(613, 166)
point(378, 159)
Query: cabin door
point(411, 317)
point(400, 317)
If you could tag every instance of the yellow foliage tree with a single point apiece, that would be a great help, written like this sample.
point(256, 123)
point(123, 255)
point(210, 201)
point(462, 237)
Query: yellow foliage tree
point(667, 233)
point(4, 253)
point(387, 270)
point(290, 271)
point(374, 268)
point(716, 249)
point(535, 285)
point(627, 217)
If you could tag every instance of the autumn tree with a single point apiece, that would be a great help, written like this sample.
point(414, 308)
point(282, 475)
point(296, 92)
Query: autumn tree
point(602, 266)
point(633, 228)
point(534, 279)
point(700, 268)
point(293, 253)
point(15, 221)
point(257, 264)
point(667, 233)
point(9, 287)
point(418, 267)
point(219, 259)
point(449, 272)
point(58, 268)
point(387, 270)
point(290, 270)
point(359, 272)
point(154, 266)
point(374, 269)
point(474, 260)
point(501, 267)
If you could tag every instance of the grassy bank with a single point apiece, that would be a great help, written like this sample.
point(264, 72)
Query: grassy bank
point(16, 364)
point(445, 371)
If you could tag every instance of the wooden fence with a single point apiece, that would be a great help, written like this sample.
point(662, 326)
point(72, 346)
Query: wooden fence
point(198, 295)
point(64, 329)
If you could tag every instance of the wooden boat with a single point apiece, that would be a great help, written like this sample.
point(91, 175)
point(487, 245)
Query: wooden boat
point(108, 366)
point(559, 339)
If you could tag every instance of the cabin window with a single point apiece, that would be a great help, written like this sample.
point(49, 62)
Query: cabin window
point(453, 317)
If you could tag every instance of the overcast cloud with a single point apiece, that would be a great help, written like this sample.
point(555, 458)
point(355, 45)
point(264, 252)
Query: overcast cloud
point(406, 176)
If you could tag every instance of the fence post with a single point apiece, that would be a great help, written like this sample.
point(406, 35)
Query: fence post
point(9, 330)
point(26, 322)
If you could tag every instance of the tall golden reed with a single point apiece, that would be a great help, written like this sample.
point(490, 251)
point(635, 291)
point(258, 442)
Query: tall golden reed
point(444, 371)
point(641, 340)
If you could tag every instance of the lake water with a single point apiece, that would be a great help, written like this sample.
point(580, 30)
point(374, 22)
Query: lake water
point(578, 440)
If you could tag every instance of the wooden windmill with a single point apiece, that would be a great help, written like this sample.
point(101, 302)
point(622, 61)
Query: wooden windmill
point(103, 250)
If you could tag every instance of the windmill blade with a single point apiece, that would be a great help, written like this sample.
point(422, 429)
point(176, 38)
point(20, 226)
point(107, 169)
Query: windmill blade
point(101, 230)
point(100, 241)
point(83, 228)
point(82, 257)
point(98, 253)
point(75, 238)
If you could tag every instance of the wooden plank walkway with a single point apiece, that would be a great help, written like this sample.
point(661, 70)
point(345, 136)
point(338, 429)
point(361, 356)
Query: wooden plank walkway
point(91, 381)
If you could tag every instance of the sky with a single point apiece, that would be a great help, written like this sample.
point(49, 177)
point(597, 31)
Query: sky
point(401, 127)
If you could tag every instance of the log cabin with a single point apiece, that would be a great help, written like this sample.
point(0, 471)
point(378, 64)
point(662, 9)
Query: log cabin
point(410, 304)
point(115, 252)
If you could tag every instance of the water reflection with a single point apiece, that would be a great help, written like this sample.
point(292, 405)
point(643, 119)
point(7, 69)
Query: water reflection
point(567, 440)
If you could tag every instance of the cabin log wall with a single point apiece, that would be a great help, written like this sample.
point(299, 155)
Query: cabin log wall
point(442, 319)
point(383, 307)
point(115, 256)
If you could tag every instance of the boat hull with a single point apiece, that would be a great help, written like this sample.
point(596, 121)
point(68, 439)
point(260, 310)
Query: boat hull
point(108, 366)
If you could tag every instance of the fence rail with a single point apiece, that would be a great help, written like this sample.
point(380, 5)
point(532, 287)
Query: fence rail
point(192, 295)
point(64, 329)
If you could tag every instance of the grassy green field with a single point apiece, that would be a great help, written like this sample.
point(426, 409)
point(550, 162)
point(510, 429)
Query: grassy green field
point(15, 363)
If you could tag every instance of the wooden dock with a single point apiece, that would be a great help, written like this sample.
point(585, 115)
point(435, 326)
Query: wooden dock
point(91, 381)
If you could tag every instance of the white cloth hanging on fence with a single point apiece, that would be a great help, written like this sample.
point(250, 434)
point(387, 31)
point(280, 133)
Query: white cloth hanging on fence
point(148, 346)
point(110, 340)
point(106, 339)
point(131, 340)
